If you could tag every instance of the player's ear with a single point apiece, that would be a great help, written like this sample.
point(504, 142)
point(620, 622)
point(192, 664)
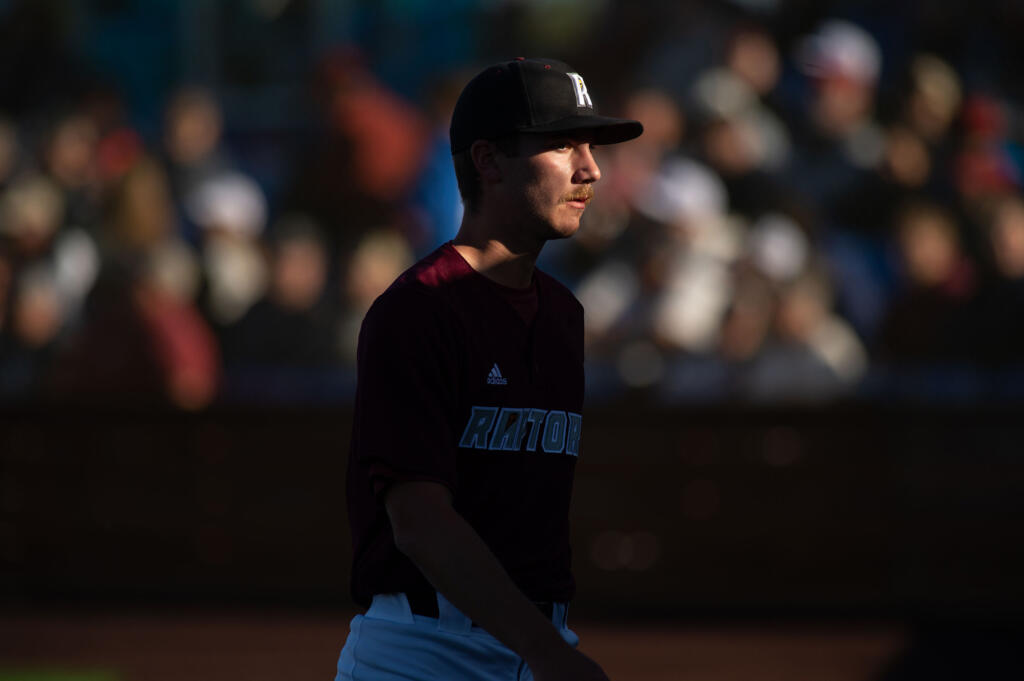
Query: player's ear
point(484, 154)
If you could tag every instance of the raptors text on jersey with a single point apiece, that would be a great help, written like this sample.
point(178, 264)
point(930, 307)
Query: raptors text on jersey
point(555, 431)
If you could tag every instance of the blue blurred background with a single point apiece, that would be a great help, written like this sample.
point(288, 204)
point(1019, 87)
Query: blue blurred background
point(200, 199)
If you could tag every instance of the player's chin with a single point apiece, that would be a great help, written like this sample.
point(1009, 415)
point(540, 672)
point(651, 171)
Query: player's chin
point(566, 227)
point(563, 231)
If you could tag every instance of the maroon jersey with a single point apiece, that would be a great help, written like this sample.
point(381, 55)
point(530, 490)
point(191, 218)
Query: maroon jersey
point(455, 386)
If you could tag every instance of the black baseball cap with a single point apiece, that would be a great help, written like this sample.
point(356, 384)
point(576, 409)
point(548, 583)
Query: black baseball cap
point(531, 95)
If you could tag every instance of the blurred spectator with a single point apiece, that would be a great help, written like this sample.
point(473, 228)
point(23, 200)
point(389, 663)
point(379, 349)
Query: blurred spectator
point(742, 141)
point(193, 125)
point(840, 138)
point(778, 248)
point(231, 211)
point(69, 159)
point(813, 354)
point(748, 321)
point(694, 287)
point(388, 136)
point(28, 343)
point(76, 261)
point(933, 99)
point(31, 213)
point(139, 210)
point(664, 133)
point(985, 168)
point(376, 262)
point(925, 323)
point(143, 340)
point(372, 152)
point(293, 323)
point(609, 291)
point(192, 131)
point(119, 150)
point(183, 346)
point(436, 197)
point(997, 322)
point(906, 160)
point(1006, 235)
point(904, 169)
point(751, 54)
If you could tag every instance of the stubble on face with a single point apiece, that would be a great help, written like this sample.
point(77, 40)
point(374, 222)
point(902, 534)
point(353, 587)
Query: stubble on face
point(585, 193)
point(553, 202)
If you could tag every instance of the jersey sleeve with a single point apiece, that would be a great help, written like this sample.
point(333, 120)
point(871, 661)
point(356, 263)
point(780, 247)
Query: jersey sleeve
point(406, 392)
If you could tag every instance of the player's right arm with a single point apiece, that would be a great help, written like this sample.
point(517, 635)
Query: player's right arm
point(457, 562)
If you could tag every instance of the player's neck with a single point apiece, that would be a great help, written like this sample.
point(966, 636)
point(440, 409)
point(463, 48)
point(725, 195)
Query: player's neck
point(495, 257)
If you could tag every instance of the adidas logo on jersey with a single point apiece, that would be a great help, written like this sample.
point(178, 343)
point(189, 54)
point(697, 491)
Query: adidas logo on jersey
point(495, 377)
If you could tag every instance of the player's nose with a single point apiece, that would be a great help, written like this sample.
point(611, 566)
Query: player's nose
point(587, 170)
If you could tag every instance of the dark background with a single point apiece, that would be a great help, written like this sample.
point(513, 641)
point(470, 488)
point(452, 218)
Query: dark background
point(850, 512)
point(847, 543)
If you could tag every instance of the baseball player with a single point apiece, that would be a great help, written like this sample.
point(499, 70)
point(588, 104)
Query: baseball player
point(468, 406)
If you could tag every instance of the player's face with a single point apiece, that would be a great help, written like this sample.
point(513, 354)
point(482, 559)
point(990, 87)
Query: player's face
point(555, 175)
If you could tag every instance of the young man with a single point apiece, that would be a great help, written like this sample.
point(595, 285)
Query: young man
point(467, 417)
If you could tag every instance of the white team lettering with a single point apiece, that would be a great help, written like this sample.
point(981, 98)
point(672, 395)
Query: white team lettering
point(573, 433)
point(480, 421)
point(535, 418)
point(553, 440)
point(506, 430)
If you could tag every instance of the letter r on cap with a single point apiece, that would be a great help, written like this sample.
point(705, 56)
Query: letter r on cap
point(582, 96)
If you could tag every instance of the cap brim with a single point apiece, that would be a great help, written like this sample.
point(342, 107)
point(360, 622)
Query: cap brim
point(605, 130)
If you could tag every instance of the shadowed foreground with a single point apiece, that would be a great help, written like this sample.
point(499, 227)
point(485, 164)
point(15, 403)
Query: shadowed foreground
point(257, 646)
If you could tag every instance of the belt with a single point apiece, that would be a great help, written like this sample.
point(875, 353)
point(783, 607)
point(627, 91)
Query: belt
point(426, 604)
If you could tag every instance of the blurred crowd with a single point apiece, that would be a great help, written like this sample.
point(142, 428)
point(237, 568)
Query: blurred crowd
point(790, 227)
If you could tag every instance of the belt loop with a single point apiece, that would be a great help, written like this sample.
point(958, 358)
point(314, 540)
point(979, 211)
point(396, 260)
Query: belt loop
point(560, 614)
point(450, 618)
point(394, 607)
